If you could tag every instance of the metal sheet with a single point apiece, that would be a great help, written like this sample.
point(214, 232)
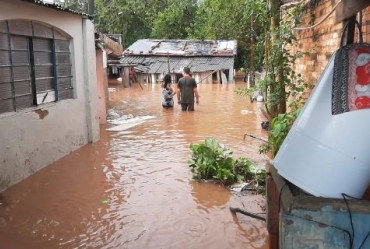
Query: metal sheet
point(154, 47)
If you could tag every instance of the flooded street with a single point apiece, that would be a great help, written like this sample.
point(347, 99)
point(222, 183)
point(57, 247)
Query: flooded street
point(133, 189)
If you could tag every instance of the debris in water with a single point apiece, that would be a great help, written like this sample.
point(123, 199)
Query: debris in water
point(127, 122)
point(125, 126)
point(245, 112)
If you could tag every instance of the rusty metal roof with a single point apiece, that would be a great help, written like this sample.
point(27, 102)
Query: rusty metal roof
point(160, 56)
point(161, 64)
point(58, 7)
point(153, 47)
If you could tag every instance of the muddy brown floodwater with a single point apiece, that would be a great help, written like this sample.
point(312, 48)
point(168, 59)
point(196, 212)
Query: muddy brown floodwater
point(133, 189)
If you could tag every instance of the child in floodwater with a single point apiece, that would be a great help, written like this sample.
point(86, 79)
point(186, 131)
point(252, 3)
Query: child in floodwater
point(168, 92)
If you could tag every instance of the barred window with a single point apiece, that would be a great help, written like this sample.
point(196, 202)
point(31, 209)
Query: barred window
point(35, 65)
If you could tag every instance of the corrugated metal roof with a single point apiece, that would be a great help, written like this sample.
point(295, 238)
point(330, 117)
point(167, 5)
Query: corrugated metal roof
point(159, 64)
point(58, 7)
point(182, 48)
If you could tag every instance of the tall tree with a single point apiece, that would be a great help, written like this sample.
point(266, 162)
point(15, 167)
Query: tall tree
point(231, 19)
point(77, 5)
point(131, 18)
point(174, 22)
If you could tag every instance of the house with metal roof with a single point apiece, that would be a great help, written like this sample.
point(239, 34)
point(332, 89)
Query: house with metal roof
point(48, 86)
point(209, 60)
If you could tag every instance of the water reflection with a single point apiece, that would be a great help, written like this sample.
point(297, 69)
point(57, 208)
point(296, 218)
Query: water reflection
point(208, 195)
point(133, 188)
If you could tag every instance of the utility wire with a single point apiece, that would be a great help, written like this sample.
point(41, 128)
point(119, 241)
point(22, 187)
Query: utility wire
point(322, 20)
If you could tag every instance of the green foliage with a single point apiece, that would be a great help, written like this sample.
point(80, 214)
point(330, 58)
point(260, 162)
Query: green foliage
point(212, 161)
point(247, 92)
point(146, 18)
point(187, 19)
point(77, 5)
point(250, 173)
point(280, 126)
point(233, 20)
point(281, 81)
point(126, 17)
point(243, 167)
point(174, 22)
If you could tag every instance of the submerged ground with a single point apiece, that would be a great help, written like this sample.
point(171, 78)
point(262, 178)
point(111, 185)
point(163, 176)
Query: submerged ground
point(133, 188)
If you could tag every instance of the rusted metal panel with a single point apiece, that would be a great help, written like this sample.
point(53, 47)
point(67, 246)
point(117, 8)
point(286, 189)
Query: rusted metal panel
point(299, 232)
point(112, 47)
point(306, 221)
point(152, 47)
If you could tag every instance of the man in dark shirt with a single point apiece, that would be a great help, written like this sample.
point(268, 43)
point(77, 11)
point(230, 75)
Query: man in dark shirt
point(186, 90)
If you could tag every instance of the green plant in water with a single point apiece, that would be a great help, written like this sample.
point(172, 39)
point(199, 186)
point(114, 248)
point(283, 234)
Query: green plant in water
point(248, 172)
point(212, 161)
point(242, 168)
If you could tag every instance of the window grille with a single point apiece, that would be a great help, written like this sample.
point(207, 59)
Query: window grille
point(35, 65)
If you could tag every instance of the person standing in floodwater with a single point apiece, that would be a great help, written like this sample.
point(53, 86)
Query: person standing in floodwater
point(167, 92)
point(186, 91)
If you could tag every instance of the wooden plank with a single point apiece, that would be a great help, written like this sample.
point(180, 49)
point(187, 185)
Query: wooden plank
point(348, 8)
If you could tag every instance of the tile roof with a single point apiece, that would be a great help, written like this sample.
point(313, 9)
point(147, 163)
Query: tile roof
point(58, 7)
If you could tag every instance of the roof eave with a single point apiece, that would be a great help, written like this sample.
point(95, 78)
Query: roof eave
point(58, 7)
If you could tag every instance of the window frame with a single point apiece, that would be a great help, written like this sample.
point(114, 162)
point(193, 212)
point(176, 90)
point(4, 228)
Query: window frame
point(60, 60)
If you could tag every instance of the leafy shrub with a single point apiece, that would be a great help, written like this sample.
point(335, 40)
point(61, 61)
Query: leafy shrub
point(280, 127)
point(212, 161)
point(242, 167)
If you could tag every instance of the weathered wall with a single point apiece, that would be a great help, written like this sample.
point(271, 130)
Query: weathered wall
point(203, 78)
point(35, 137)
point(323, 40)
point(101, 80)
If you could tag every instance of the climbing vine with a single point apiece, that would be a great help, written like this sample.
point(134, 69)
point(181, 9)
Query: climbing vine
point(283, 88)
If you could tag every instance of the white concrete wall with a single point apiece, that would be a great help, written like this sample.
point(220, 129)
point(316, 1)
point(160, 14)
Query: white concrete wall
point(35, 137)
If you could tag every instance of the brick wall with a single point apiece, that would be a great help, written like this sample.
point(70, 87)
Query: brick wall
point(323, 40)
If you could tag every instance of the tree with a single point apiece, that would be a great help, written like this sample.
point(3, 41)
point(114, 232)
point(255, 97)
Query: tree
point(130, 18)
point(77, 5)
point(231, 20)
point(174, 21)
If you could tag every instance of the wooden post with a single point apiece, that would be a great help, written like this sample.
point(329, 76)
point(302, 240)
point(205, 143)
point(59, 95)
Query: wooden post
point(252, 55)
point(126, 74)
point(272, 213)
